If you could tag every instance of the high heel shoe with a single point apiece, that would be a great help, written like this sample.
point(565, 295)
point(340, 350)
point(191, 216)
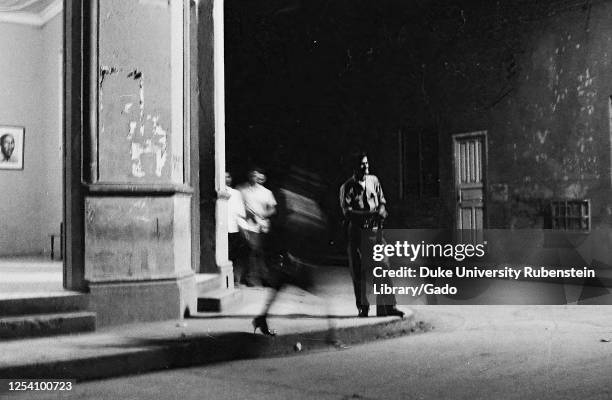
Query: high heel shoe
point(261, 323)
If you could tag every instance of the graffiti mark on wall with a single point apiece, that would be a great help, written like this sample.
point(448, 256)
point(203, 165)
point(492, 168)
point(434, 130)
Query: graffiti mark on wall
point(542, 136)
point(586, 93)
point(568, 91)
point(106, 71)
point(145, 134)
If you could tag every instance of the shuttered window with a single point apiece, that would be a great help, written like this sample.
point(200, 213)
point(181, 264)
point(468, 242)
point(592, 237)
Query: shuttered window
point(571, 215)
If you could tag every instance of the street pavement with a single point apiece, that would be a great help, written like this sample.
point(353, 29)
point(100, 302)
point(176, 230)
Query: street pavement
point(473, 352)
point(298, 316)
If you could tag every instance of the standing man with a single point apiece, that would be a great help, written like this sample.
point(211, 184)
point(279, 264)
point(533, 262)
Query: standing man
point(363, 205)
point(7, 146)
point(260, 206)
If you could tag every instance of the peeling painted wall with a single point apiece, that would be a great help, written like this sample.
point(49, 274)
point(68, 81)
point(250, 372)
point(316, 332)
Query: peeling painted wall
point(549, 136)
point(135, 140)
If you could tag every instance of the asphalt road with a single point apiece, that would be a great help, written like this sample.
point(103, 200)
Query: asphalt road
point(473, 352)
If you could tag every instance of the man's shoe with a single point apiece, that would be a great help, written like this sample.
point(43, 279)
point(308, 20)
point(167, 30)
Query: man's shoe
point(363, 312)
point(388, 311)
point(394, 312)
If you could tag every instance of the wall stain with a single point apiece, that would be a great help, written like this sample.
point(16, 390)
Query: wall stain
point(104, 72)
point(146, 134)
point(149, 150)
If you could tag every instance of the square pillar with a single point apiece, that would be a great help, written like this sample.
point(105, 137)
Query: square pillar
point(213, 193)
point(138, 260)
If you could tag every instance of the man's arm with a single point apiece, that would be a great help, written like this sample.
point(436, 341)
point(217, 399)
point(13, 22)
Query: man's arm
point(343, 206)
point(382, 202)
point(269, 211)
point(270, 208)
point(241, 213)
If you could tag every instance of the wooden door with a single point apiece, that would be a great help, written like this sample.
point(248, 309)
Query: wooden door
point(470, 162)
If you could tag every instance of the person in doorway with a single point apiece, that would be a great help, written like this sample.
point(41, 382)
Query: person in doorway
point(260, 206)
point(236, 225)
point(7, 146)
point(363, 205)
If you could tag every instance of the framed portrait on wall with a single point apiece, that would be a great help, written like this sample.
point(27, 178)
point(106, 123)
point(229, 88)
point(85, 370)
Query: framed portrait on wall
point(11, 147)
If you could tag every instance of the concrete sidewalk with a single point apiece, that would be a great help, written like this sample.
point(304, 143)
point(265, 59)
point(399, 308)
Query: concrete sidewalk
point(297, 316)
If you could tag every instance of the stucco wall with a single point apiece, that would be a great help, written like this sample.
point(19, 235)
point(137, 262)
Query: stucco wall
point(538, 79)
point(52, 108)
point(550, 137)
point(30, 201)
point(135, 126)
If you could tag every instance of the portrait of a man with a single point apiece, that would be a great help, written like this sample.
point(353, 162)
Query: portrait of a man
point(11, 147)
point(7, 146)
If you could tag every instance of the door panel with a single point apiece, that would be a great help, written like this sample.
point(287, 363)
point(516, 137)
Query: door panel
point(470, 159)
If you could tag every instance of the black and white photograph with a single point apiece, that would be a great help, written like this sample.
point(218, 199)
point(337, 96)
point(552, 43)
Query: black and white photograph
point(306, 199)
point(11, 147)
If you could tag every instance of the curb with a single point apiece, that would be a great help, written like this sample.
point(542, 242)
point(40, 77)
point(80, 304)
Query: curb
point(202, 350)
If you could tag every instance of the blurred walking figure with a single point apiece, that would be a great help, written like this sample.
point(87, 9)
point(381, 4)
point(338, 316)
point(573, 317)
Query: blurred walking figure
point(260, 206)
point(284, 268)
point(363, 205)
point(236, 226)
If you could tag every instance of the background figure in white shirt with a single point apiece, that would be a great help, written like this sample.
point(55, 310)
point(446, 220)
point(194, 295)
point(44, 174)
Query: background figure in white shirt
point(260, 206)
point(236, 225)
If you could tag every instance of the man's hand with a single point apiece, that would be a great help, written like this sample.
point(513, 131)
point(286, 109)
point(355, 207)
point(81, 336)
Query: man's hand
point(382, 211)
point(224, 194)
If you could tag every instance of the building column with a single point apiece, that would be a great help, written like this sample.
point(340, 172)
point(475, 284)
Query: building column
point(139, 189)
point(213, 192)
